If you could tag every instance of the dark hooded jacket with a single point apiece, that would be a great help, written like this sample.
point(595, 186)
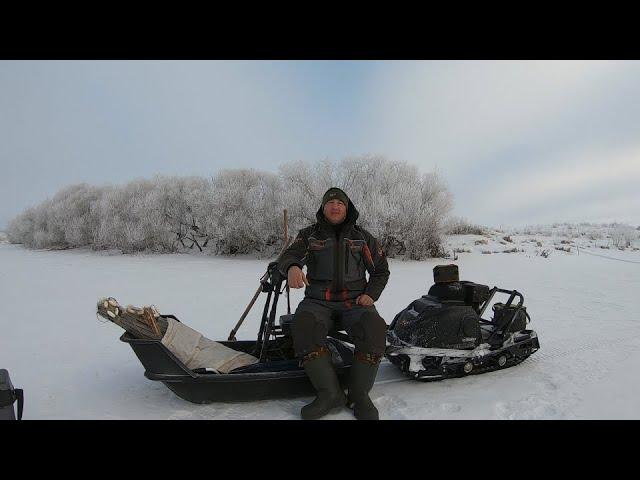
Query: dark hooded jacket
point(337, 259)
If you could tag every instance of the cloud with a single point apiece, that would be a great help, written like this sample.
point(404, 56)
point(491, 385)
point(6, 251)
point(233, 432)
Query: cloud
point(568, 183)
point(547, 126)
point(521, 132)
point(111, 121)
point(451, 112)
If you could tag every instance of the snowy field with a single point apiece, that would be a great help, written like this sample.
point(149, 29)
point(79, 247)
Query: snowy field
point(72, 365)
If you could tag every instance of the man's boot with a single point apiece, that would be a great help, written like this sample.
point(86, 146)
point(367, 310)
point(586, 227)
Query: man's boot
point(361, 378)
point(324, 379)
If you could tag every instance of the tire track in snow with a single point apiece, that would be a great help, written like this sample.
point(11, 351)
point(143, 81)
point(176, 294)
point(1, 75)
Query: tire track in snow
point(558, 397)
point(388, 369)
point(552, 352)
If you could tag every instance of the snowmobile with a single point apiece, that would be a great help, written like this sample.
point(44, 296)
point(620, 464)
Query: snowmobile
point(443, 335)
point(279, 374)
point(8, 396)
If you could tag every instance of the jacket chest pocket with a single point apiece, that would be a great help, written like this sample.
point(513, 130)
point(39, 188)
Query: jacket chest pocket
point(320, 262)
point(354, 268)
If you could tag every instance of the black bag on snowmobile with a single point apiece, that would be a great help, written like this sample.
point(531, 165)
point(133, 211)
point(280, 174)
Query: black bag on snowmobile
point(446, 273)
point(469, 293)
point(8, 396)
point(503, 314)
point(430, 323)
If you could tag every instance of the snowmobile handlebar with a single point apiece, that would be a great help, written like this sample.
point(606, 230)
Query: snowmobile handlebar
point(512, 295)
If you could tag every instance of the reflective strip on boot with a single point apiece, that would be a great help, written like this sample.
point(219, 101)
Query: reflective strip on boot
point(362, 377)
point(315, 354)
point(370, 358)
point(324, 379)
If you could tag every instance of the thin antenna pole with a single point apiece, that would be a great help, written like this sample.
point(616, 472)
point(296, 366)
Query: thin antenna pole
point(286, 242)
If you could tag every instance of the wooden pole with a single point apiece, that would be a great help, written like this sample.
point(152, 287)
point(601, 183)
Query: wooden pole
point(286, 241)
point(286, 227)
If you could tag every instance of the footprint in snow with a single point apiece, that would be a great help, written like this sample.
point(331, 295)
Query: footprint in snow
point(503, 411)
point(451, 407)
point(391, 407)
point(181, 415)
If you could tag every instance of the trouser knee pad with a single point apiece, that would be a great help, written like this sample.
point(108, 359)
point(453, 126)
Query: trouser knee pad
point(309, 334)
point(373, 330)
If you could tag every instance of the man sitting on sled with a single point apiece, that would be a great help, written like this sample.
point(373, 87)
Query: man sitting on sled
point(337, 253)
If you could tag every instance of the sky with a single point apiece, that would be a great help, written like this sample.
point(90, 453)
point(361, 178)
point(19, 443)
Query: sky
point(517, 142)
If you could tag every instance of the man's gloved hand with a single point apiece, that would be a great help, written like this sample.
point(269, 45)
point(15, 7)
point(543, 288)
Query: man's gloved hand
point(296, 277)
point(364, 300)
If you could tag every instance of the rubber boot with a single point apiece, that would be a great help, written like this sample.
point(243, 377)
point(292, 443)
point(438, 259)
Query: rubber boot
point(324, 379)
point(361, 379)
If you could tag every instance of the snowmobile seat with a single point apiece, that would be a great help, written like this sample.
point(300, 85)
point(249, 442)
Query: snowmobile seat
point(460, 292)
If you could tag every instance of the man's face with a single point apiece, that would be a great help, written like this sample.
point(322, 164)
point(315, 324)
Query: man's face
point(335, 211)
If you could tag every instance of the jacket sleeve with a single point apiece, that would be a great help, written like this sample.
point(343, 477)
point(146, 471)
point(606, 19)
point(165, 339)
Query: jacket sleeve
point(377, 266)
point(295, 254)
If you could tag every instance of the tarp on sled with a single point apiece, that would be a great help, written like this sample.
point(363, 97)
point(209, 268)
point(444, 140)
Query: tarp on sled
point(197, 351)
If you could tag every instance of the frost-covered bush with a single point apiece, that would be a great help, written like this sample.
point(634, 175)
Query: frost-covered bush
point(404, 209)
point(164, 214)
point(461, 226)
point(613, 234)
point(622, 236)
point(22, 227)
point(129, 217)
point(240, 211)
point(247, 212)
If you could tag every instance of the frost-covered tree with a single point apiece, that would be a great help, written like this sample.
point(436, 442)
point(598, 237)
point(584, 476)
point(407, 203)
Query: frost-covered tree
point(303, 185)
point(240, 211)
point(402, 208)
point(22, 227)
point(623, 236)
point(462, 226)
point(247, 211)
point(183, 205)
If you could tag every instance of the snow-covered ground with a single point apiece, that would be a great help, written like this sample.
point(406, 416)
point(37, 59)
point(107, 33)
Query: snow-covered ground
point(72, 365)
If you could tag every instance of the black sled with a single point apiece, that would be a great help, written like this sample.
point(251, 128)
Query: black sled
point(443, 335)
point(278, 374)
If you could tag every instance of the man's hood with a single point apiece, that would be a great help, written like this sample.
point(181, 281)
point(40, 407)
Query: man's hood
point(350, 219)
